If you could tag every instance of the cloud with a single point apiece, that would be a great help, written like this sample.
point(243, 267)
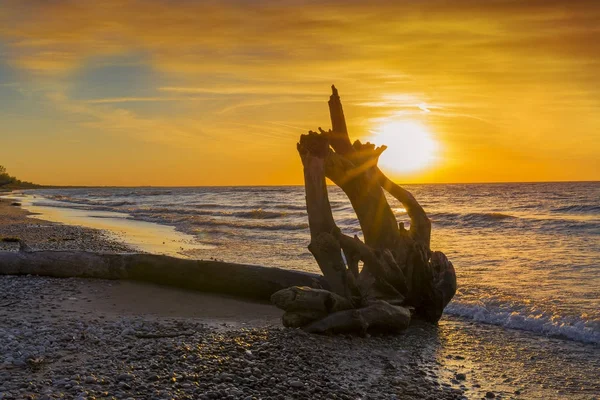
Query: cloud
point(122, 122)
point(114, 100)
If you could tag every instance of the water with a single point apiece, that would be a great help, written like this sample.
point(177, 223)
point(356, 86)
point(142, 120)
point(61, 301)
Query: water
point(526, 255)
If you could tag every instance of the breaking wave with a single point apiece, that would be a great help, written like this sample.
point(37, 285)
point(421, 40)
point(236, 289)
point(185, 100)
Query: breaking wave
point(571, 328)
point(246, 225)
point(480, 219)
point(577, 209)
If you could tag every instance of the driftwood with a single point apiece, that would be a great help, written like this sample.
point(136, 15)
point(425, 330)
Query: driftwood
point(304, 305)
point(305, 298)
point(400, 272)
point(380, 316)
point(248, 281)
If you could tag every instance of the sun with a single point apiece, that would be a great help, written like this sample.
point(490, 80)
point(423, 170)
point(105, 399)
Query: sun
point(411, 146)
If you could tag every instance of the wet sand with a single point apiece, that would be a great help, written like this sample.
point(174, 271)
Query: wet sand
point(16, 224)
point(114, 228)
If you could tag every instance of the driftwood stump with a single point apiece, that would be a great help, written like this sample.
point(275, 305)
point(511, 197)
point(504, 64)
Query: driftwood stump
point(400, 276)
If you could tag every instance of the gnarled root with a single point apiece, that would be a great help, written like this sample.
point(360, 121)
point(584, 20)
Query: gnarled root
point(303, 298)
point(379, 316)
point(321, 311)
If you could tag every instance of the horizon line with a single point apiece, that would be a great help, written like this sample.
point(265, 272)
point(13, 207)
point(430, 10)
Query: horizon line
point(294, 185)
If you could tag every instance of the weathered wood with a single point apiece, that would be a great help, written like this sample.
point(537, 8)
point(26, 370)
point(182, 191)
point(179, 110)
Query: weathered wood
point(377, 221)
point(324, 248)
point(436, 285)
point(379, 316)
point(339, 132)
point(303, 298)
point(356, 176)
point(298, 319)
point(248, 281)
point(398, 264)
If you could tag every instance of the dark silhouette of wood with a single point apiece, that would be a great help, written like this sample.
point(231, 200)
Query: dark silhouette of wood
point(400, 273)
point(249, 281)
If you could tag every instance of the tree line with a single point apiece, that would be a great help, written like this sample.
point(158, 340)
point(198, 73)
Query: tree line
point(7, 181)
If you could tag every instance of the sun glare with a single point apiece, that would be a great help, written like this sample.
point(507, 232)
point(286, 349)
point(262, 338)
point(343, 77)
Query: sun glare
point(411, 146)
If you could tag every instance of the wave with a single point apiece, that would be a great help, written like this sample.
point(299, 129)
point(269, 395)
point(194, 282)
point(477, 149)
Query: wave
point(163, 212)
point(575, 329)
point(150, 193)
point(580, 208)
point(217, 205)
point(447, 218)
point(528, 206)
point(488, 216)
point(240, 225)
point(262, 214)
point(160, 212)
point(290, 206)
point(247, 225)
point(507, 221)
point(74, 206)
point(87, 202)
point(193, 222)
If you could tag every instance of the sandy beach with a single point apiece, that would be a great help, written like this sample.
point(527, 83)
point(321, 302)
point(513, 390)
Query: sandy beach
point(46, 235)
point(86, 339)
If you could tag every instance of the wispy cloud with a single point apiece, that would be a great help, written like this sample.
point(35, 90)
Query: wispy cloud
point(490, 72)
point(116, 121)
point(250, 89)
point(116, 100)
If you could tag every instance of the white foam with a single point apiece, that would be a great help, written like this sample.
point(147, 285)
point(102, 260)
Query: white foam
point(548, 325)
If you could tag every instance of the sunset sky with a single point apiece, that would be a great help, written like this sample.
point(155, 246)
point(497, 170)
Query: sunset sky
point(218, 92)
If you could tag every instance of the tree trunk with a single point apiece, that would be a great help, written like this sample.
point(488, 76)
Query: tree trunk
point(248, 281)
point(399, 266)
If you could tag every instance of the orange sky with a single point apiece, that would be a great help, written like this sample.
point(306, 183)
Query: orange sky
point(218, 92)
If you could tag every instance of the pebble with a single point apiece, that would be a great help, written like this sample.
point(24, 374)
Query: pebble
point(296, 384)
point(125, 377)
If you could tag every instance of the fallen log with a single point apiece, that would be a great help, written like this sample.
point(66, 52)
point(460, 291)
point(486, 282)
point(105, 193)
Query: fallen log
point(249, 281)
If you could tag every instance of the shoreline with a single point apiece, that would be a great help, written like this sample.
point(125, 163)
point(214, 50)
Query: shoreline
point(118, 232)
point(38, 234)
point(72, 336)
